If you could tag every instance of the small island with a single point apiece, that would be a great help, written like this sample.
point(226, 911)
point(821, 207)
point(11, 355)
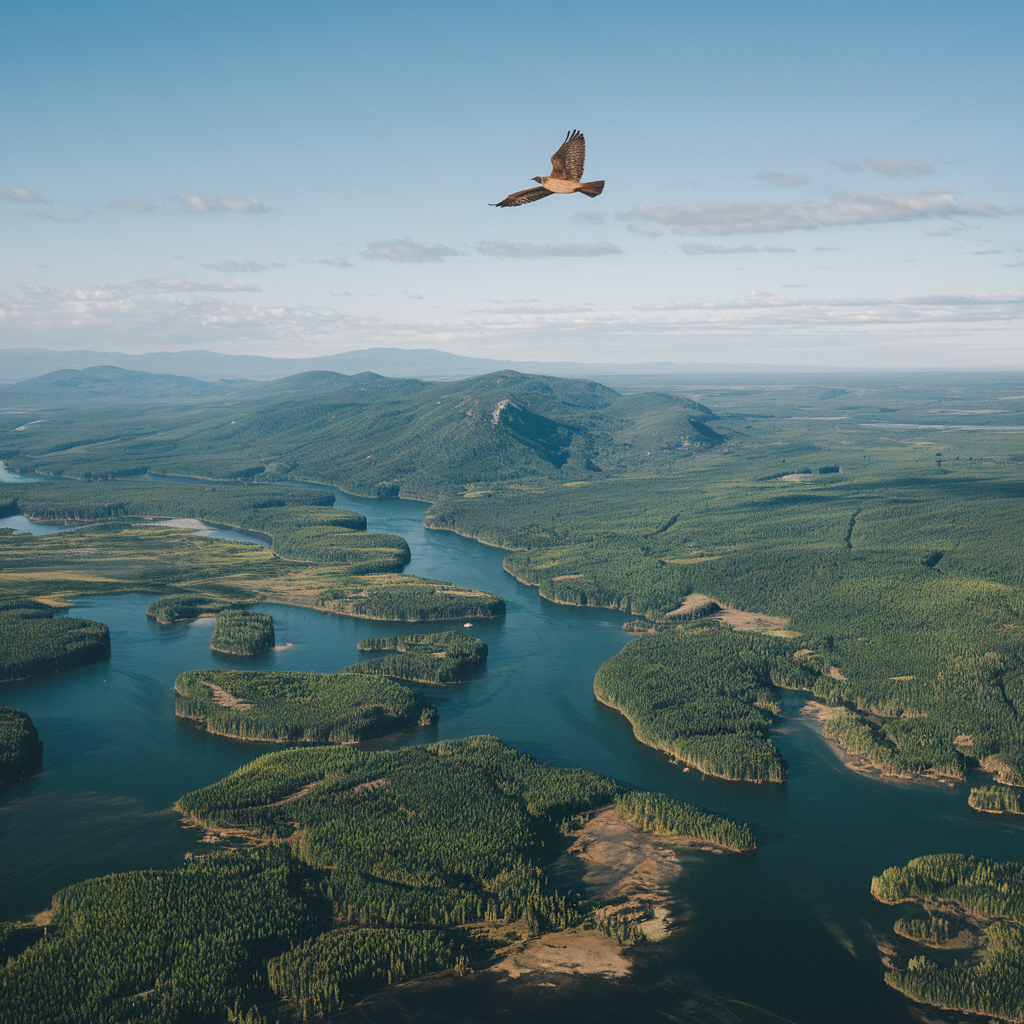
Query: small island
point(183, 607)
point(298, 707)
point(997, 799)
point(21, 752)
point(36, 643)
point(970, 913)
point(424, 657)
point(242, 632)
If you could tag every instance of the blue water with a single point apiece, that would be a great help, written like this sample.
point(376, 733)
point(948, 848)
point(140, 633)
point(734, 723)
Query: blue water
point(791, 929)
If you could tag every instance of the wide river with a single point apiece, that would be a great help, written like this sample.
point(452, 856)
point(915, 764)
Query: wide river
point(788, 933)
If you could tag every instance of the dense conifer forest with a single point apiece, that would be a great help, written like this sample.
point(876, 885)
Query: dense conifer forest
point(368, 863)
point(237, 631)
point(298, 707)
point(21, 753)
point(423, 658)
point(980, 899)
point(35, 642)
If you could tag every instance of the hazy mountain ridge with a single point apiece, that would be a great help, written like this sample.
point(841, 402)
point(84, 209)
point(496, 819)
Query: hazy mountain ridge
point(369, 433)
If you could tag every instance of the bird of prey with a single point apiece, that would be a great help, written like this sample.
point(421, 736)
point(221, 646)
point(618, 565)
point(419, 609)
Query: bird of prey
point(566, 171)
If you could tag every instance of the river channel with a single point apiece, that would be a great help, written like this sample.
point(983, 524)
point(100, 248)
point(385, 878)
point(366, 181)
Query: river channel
point(788, 933)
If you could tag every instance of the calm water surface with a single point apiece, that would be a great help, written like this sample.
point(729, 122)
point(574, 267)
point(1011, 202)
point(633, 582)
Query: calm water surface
point(787, 933)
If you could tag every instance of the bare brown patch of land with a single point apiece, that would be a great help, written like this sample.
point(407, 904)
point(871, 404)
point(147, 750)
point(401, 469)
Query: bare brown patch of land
point(695, 605)
point(628, 873)
point(570, 576)
point(225, 699)
point(749, 620)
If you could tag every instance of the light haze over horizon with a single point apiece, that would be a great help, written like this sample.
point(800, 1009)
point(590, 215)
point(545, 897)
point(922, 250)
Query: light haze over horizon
point(786, 183)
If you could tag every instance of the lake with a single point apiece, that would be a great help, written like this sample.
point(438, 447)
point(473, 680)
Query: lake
point(787, 933)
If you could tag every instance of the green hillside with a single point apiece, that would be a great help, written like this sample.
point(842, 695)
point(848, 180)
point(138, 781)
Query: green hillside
point(366, 433)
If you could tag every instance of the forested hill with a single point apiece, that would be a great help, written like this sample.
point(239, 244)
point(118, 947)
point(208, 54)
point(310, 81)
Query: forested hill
point(370, 434)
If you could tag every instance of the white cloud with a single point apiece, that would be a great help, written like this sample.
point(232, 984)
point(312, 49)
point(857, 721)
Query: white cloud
point(334, 261)
point(414, 295)
point(846, 165)
point(405, 250)
point(843, 208)
point(702, 249)
point(22, 195)
point(783, 179)
point(546, 250)
point(221, 204)
point(964, 329)
point(1017, 262)
point(587, 217)
point(242, 266)
point(899, 168)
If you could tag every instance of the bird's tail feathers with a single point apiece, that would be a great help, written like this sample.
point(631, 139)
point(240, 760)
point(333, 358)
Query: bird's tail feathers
point(591, 188)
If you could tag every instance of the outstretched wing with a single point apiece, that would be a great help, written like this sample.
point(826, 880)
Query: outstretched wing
point(568, 161)
point(528, 195)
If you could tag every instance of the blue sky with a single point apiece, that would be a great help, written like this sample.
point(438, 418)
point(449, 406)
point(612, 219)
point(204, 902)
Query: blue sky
point(788, 183)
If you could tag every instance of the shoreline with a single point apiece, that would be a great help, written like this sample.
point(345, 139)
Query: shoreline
point(675, 758)
point(813, 709)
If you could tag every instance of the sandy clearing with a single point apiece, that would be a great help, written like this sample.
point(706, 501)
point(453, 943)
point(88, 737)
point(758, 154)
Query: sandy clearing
point(693, 606)
point(749, 620)
point(225, 699)
point(573, 576)
point(627, 870)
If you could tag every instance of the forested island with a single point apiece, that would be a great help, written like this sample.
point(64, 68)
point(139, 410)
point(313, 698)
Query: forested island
point(238, 631)
point(965, 904)
point(423, 657)
point(367, 870)
point(298, 707)
point(36, 643)
point(21, 753)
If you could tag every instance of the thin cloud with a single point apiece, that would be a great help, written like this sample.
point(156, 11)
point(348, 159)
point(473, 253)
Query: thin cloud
point(587, 217)
point(782, 179)
point(146, 314)
point(39, 215)
point(842, 209)
point(242, 266)
point(341, 295)
point(22, 195)
point(700, 249)
point(846, 165)
point(333, 261)
point(546, 250)
point(221, 204)
point(414, 295)
point(405, 250)
point(645, 230)
point(167, 286)
point(899, 168)
point(1017, 262)
point(828, 248)
point(133, 205)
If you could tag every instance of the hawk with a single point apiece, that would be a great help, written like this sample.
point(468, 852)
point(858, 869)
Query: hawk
point(566, 171)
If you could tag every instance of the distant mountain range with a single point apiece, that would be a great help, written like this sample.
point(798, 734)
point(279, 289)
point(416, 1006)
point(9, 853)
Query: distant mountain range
point(423, 363)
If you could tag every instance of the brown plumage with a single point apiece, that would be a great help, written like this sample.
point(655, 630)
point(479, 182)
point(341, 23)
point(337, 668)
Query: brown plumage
point(566, 172)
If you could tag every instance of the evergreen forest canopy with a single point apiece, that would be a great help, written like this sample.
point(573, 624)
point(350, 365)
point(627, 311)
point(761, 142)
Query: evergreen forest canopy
point(298, 707)
point(21, 753)
point(34, 642)
point(959, 902)
point(239, 631)
point(423, 657)
point(371, 863)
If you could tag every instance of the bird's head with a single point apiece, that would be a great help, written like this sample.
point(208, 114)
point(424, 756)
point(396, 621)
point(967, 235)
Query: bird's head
point(540, 181)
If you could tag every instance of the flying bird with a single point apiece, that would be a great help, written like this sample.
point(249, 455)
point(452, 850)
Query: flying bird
point(566, 171)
